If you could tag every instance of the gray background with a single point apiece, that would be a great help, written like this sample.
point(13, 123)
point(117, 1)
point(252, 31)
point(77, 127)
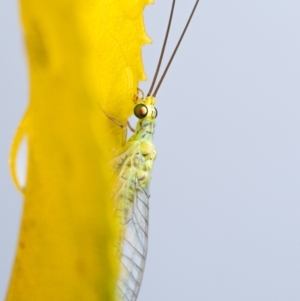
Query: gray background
point(225, 211)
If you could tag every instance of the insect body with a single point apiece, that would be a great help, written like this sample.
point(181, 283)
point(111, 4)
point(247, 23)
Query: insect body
point(133, 172)
point(132, 168)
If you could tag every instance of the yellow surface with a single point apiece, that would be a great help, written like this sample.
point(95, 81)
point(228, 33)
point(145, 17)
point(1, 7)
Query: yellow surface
point(82, 55)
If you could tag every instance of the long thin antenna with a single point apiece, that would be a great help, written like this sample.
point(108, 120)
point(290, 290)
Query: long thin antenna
point(163, 49)
point(175, 50)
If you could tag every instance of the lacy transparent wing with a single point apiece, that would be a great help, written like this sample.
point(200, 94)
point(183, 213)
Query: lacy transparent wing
point(132, 203)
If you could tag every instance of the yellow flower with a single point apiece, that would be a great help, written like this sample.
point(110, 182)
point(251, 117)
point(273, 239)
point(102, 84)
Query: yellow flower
point(84, 56)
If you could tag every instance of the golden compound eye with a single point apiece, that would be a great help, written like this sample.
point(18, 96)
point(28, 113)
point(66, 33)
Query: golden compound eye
point(155, 112)
point(140, 111)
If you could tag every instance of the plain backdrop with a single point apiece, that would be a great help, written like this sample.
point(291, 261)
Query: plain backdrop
point(225, 193)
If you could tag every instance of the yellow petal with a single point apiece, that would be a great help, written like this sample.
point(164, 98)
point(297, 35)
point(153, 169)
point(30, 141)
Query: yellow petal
point(82, 56)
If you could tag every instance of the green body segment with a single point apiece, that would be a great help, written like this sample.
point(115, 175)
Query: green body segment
point(135, 161)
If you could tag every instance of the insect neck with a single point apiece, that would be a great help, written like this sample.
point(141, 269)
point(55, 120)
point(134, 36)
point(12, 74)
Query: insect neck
point(145, 129)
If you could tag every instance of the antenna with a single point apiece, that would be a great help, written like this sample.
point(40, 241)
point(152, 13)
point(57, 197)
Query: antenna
point(162, 50)
point(175, 50)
